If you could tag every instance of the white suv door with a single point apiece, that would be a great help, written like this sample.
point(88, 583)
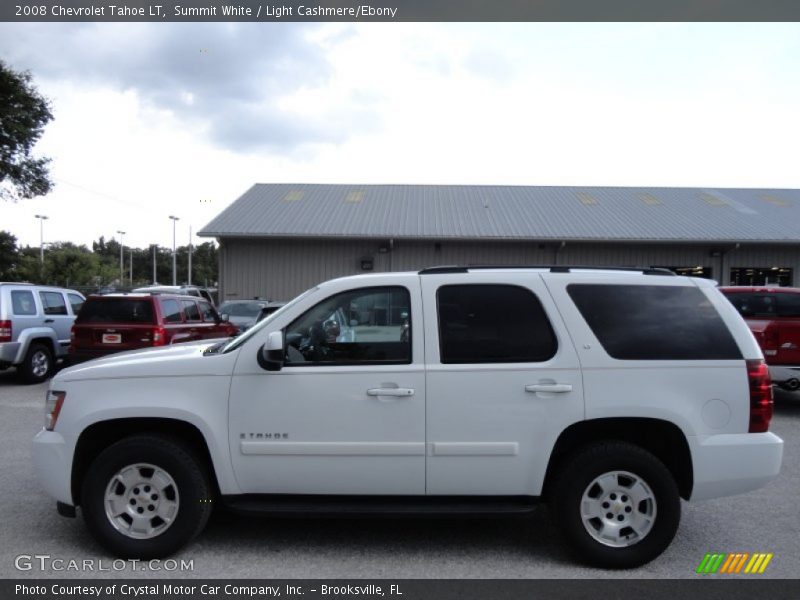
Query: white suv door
point(503, 381)
point(346, 413)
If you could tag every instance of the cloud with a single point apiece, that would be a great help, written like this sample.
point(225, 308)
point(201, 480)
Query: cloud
point(230, 80)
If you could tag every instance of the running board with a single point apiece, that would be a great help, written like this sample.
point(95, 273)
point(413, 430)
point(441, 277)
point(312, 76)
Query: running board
point(345, 506)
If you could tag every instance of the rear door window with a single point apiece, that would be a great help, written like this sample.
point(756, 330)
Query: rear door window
point(492, 324)
point(53, 303)
point(647, 322)
point(22, 303)
point(116, 310)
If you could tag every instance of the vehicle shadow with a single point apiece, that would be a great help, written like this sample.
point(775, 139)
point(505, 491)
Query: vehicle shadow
point(9, 377)
point(787, 403)
point(386, 540)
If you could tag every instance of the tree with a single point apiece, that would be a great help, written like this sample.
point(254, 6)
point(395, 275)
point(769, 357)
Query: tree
point(8, 256)
point(23, 115)
point(68, 265)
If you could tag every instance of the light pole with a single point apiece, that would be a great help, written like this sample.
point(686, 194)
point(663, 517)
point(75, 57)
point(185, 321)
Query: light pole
point(174, 260)
point(190, 256)
point(121, 267)
point(42, 219)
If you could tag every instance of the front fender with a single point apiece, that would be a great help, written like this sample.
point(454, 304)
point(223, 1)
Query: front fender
point(201, 401)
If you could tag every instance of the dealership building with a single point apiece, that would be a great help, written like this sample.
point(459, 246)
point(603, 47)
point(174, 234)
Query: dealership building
point(277, 240)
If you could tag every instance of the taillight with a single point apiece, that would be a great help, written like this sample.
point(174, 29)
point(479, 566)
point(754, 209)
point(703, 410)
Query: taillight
point(159, 336)
point(760, 396)
point(72, 335)
point(5, 331)
point(52, 408)
point(770, 341)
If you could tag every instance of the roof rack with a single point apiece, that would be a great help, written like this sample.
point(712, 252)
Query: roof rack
point(553, 269)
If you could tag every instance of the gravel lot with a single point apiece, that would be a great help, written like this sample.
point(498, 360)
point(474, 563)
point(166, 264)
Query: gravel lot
point(523, 547)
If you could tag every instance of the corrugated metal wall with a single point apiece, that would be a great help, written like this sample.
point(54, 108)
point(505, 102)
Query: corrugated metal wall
point(280, 269)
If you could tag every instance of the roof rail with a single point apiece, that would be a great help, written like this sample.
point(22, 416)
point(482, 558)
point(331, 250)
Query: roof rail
point(553, 269)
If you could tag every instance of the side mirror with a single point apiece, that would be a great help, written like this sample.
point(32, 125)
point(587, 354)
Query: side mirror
point(224, 317)
point(270, 355)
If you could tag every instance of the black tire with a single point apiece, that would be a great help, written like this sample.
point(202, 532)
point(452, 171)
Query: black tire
point(192, 488)
point(580, 469)
point(38, 364)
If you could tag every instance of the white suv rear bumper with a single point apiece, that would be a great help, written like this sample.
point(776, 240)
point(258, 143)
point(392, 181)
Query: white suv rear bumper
point(52, 461)
point(730, 464)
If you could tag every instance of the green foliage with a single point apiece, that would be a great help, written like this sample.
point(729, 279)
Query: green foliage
point(69, 265)
point(23, 115)
point(8, 256)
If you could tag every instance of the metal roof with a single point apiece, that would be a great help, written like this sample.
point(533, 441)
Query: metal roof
point(470, 212)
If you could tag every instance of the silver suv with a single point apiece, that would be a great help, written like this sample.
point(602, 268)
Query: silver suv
point(35, 323)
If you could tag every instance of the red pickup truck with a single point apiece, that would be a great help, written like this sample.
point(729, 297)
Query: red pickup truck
point(773, 315)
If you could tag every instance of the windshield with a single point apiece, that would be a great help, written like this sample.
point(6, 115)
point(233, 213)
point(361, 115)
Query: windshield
point(241, 309)
point(238, 341)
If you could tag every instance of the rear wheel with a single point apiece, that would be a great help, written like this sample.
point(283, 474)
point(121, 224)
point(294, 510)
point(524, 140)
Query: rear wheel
point(146, 497)
point(38, 364)
point(617, 504)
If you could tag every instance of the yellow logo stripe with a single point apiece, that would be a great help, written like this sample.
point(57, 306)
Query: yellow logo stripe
point(767, 558)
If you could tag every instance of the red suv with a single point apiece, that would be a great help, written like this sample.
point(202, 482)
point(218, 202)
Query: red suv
point(117, 322)
point(773, 315)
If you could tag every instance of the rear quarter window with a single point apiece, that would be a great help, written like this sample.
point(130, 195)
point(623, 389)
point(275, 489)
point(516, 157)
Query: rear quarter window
point(788, 305)
point(647, 322)
point(172, 311)
point(22, 303)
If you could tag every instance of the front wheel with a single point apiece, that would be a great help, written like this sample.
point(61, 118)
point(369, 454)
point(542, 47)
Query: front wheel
point(146, 496)
point(617, 504)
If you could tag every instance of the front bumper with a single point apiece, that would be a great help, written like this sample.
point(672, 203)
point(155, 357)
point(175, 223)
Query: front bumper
point(729, 464)
point(52, 463)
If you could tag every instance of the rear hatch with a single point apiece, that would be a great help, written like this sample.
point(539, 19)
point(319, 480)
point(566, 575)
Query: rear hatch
point(112, 324)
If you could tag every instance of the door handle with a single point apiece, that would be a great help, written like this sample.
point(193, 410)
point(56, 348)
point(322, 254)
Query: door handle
point(49, 320)
point(552, 388)
point(396, 392)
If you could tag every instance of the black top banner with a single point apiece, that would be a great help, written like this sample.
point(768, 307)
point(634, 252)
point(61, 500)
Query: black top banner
point(400, 10)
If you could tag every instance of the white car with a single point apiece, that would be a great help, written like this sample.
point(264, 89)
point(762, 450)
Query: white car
point(610, 393)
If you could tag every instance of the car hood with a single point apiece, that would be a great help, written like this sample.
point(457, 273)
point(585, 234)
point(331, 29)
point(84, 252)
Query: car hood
point(179, 360)
point(242, 320)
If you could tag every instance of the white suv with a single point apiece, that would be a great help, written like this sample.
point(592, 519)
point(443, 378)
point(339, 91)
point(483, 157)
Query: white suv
point(609, 393)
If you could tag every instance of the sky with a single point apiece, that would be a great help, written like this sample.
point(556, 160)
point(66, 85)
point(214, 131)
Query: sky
point(160, 119)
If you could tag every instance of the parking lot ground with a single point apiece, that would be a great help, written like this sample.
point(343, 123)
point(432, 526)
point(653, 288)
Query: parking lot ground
point(766, 520)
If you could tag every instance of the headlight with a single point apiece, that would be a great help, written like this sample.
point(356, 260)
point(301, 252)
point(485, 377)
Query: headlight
point(52, 407)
